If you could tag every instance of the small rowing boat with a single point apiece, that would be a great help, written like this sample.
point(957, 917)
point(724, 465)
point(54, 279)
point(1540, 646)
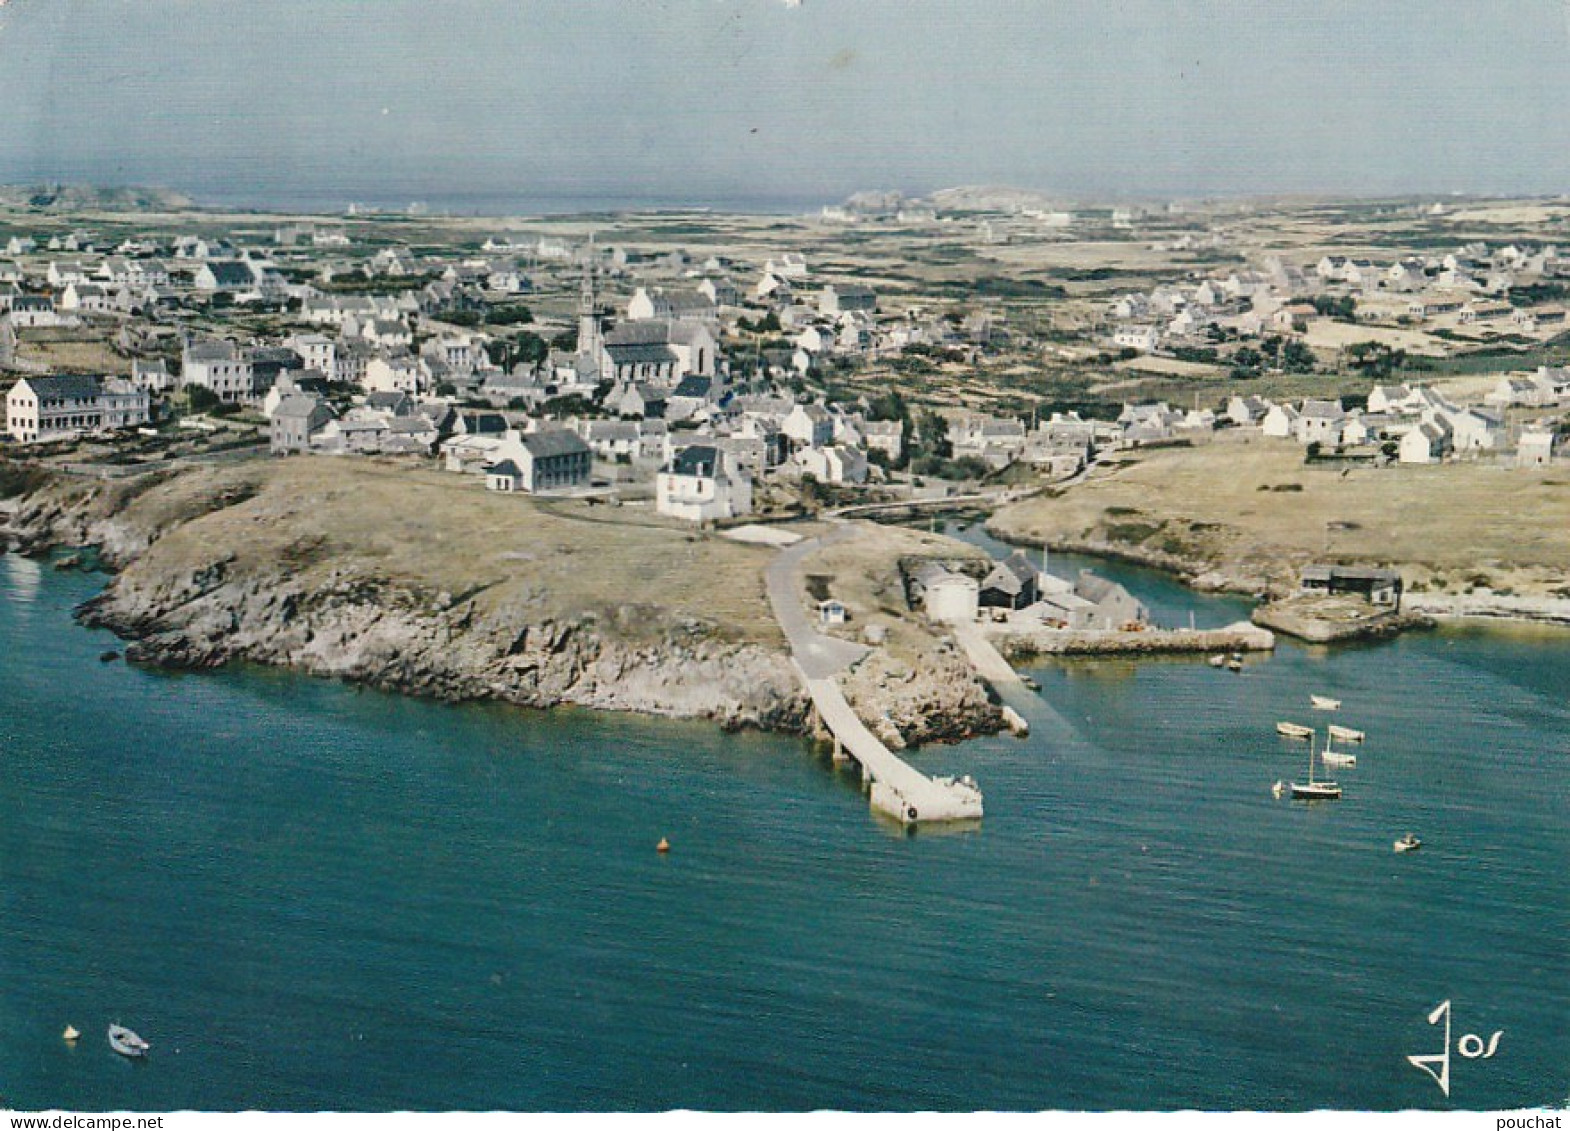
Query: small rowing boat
point(1294, 730)
point(1346, 734)
point(1324, 703)
point(1408, 843)
point(127, 1043)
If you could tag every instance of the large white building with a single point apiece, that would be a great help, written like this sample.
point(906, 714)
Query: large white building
point(52, 408)
point(702, 484)
point(219, 367)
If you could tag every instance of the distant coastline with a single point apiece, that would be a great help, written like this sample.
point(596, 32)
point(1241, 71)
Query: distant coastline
point(427, 199)
point(414, 199)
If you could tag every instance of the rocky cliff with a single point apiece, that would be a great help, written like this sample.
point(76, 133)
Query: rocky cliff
point(363, 628)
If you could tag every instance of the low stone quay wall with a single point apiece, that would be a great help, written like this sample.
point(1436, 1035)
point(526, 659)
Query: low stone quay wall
point(1022, 643)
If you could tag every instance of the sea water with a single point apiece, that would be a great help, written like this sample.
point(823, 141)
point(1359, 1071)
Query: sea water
point(308, 896)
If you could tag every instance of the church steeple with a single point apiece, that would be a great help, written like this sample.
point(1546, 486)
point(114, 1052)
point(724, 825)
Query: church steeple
point(588, 317)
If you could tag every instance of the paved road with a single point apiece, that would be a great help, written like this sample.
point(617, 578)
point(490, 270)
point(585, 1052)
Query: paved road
point(902, 791)
point(818, 656)
point(986, 497)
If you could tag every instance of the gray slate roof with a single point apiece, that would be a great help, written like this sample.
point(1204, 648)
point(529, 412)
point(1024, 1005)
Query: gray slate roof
point(557, 442)
point(700, 460)
point(70, 387)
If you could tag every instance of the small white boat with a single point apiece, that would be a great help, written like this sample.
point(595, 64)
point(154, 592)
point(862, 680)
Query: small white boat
point(1346, 734)
point(127, 1043)
point(1334, 757)
point(1324, 703)
point(1294, 730)
point(1218, 661)
point(1408, 843)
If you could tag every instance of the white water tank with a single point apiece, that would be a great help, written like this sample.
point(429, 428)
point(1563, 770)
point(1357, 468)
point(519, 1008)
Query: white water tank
point(953, 598)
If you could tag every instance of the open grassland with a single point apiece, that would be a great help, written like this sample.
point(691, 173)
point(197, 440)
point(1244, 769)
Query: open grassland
point(76, 355)
point(1249, 508)
point(445, 534)
point(634, 571)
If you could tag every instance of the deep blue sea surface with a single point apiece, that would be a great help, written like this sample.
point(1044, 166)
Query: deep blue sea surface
point(307, 897)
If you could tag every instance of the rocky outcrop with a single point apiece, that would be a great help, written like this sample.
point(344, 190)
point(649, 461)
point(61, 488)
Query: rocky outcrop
point(1488, 604)
point(1325, 620)
point(369, 630)
point(939, 701)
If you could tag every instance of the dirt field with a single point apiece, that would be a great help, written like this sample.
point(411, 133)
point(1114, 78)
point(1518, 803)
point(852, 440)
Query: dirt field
point(1328, 336)
point(1250, 507)
point(1170, 367)
point(74, 357)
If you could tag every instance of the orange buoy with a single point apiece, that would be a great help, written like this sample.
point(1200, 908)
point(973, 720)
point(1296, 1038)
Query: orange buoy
point(663, 846)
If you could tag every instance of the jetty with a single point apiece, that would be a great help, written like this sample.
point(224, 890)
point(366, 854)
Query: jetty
point(986, 659)
point(1027, 641)
point(896, 788)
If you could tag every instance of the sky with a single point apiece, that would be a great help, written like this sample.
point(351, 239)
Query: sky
point(704, 101)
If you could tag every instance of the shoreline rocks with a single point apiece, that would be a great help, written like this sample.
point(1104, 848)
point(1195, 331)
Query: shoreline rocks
point(1328, 620)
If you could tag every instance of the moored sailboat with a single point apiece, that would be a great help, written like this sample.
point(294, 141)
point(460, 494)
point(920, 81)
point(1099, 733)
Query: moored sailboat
point(1312, 790)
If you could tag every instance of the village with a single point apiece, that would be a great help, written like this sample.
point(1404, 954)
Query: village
point(736, 377)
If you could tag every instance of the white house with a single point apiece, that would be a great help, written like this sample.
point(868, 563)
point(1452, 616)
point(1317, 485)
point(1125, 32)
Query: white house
point(835, 463)
point(997, 440)
point(703, 484)
point(151, 375)
point(790, 265)
point(295, 420)
point(1145, 339)
point(887, 436)
point(1429, 442)
point(86, 298)
point(1389, 398)
point(1280, 421)
point(1320, 422)
point(844, 297)
point(808, 425)
point(1472, 429)
point(317, 351)
point(224, 275)
point(1535, 448)
point(1245, 411)
point(395, 374)
point(219, 367)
